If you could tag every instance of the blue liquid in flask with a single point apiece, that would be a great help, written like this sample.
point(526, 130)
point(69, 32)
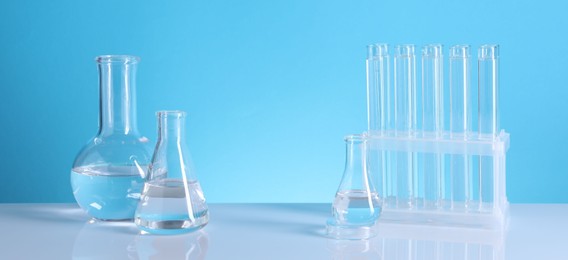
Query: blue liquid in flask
point(356, 207)
point(169, 207)
point(108, 196)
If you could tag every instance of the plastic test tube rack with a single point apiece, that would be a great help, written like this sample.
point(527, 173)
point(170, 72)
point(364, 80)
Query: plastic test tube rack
point(431, 162)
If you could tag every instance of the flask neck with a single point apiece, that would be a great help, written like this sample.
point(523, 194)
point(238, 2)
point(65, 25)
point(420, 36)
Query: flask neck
point(354, 160)
point(171, 127)
point(171, 157)
point(117, 85)
point(355, 176)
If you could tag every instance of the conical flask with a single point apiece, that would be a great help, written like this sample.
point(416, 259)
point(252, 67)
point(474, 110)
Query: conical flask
point(107, 174)
point(357, 205)
point(172, 201)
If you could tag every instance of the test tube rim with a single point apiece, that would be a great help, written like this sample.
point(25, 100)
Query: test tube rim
point(464, 54)
point(494, 53)
point(410, 47)
point(438, 46)
point(377, 50)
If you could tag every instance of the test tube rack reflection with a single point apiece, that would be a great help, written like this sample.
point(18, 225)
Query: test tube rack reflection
point(430, 161)
point(418, 242)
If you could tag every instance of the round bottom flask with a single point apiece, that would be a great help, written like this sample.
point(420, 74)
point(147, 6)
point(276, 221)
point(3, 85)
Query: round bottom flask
point(108, 173)
point(172, 200)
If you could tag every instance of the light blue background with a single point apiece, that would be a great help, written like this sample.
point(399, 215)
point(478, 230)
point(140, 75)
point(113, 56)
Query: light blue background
point(271, 87)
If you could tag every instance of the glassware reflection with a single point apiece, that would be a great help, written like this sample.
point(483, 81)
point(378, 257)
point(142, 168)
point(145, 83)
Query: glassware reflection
point(415, 242)
point(353, 249)
point(122, 240)
point(185, 246)
point(105, 240)
point(398, 241)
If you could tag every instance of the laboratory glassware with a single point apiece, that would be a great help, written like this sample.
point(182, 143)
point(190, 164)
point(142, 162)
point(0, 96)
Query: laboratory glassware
point(432, 122)
point(434, 166)
point(460, 124)
point(357, 205)
point(107, 174)
point(378, 81)
point(488, 119)
point(405, 122)
point(379, 113)
point(172, 200)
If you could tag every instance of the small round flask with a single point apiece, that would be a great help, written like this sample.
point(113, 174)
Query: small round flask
point(107, 174)
point(357, 205)
point(172, 201)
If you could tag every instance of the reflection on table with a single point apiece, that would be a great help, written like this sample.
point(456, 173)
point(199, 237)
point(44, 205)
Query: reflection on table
point(122, 240)
point(415, 242)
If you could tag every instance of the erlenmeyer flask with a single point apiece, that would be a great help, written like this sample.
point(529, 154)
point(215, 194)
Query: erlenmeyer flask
point(172, 201)
point(357, 205)
point(107, 174)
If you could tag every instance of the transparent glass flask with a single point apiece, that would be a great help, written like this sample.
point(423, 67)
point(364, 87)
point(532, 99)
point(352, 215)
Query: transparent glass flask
point(107, 174)
point(172, 201)
point(357, 205)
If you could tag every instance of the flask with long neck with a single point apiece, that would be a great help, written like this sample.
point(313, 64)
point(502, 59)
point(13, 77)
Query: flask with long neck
point(107, 174)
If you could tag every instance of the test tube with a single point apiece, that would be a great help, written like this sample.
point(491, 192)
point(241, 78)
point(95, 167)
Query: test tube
point(432, 121)
point(377, 87)
point(460, 123)
point(488, 87)
point(405, 121)
point(378, 71)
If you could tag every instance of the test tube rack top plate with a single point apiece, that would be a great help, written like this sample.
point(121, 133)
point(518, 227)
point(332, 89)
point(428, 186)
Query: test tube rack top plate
point(428, 161)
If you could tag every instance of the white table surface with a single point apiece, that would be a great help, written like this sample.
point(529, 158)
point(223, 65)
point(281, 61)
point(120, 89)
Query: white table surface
point(273, 231)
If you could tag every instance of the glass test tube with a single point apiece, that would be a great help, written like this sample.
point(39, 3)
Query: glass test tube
point(378, 113)
point(377, 87)
point(488, 87)
point(405, 120)
point(460, 123)
point(432, 121)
